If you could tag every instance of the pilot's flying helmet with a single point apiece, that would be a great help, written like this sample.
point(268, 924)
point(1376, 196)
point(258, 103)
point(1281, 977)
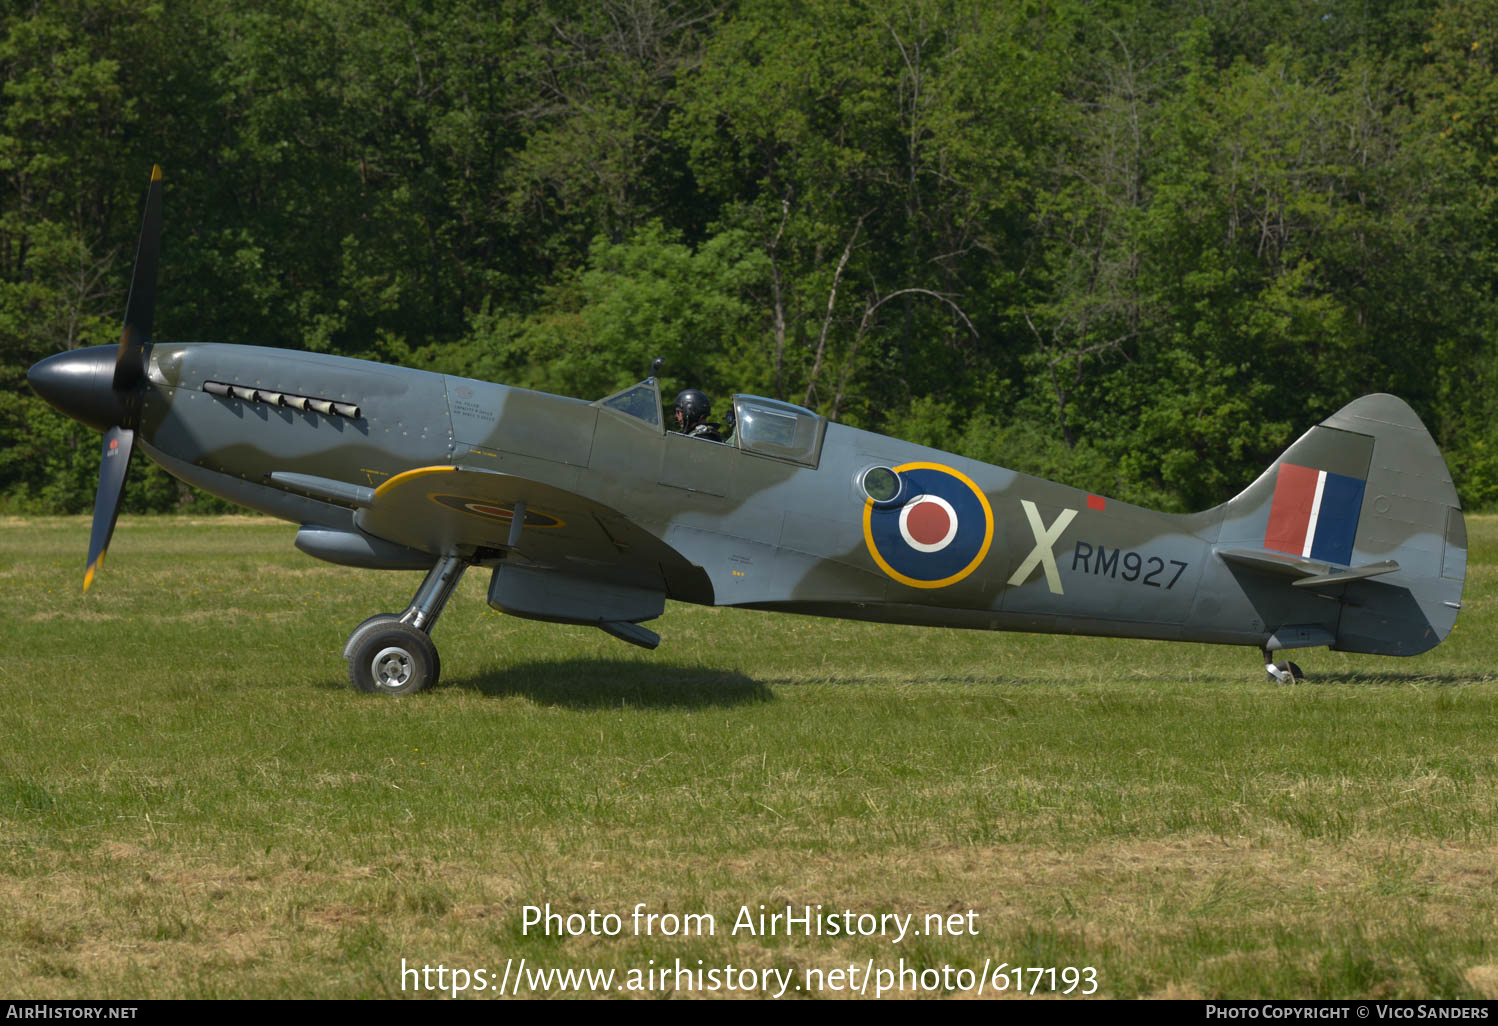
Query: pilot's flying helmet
point(694, 407)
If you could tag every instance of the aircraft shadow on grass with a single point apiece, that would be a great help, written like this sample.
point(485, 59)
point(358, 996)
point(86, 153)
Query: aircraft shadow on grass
point(618, 683)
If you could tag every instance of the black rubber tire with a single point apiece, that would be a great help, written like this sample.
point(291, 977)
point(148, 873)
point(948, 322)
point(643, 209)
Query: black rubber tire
point(377, 618)
point(380, 618)
point(387, 657)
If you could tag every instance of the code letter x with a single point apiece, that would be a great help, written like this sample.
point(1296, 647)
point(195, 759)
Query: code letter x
point(1045, 537)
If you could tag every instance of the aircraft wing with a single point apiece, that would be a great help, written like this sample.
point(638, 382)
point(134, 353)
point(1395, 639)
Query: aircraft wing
point(441, 509)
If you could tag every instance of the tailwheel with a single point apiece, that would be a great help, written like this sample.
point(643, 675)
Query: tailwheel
point(1283, 673)
point(387, 657)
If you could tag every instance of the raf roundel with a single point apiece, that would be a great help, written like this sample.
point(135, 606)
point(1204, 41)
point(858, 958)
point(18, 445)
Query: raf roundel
point(935, 538)
point(490, 511)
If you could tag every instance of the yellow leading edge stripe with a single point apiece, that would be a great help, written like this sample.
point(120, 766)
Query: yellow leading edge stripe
point(409, 475)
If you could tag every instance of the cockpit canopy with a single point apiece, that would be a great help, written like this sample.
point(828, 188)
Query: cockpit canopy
point(764, 427)
point(642, 401)
point(780, 430)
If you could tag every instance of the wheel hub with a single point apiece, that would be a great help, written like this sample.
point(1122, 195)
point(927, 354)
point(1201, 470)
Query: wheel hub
point(392, 667)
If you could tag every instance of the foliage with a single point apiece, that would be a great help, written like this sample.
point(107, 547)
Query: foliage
point(648, 296)
point(1136, 245)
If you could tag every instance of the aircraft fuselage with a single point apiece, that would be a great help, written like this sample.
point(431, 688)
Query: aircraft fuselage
point(766, 532)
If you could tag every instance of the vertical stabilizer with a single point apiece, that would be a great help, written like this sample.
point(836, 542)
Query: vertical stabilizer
point(1360, 510)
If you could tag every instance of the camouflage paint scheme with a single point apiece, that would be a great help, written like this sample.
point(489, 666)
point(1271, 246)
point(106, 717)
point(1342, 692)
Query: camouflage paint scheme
point(714, 523)
point(1353, 539)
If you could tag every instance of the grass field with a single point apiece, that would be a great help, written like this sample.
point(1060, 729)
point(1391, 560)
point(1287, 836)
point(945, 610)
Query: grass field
point(193, 803)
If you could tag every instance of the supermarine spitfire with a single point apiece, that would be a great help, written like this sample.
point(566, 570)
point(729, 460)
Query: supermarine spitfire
point(595, 513)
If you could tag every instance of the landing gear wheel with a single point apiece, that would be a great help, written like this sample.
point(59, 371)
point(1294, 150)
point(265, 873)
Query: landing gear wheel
point(1289, 673)
point(387, 657)
point(378, 620)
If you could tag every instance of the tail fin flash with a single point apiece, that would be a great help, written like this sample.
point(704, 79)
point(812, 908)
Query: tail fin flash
point(1361, 509)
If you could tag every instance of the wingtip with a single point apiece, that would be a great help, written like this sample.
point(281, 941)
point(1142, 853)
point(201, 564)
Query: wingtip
point(155, 172)
point(88, 575)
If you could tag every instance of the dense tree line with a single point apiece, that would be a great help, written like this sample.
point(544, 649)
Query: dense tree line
point(1137, 246)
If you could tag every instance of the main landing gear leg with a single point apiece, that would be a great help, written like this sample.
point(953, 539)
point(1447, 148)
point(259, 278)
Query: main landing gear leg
point(394, 655)
point(1281, 670)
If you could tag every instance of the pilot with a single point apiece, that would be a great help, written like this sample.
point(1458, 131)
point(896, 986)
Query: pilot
point(692, 409)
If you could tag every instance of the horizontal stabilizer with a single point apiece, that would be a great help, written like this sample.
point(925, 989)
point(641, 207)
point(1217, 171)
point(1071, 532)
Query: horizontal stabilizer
point(1308, 573)
point(1337, 576)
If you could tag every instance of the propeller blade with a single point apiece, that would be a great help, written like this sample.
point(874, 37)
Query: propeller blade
point(140, 308)
point(113, 464)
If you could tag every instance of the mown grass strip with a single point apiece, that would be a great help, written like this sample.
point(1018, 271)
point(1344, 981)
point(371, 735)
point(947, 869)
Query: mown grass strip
point(193, 803)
